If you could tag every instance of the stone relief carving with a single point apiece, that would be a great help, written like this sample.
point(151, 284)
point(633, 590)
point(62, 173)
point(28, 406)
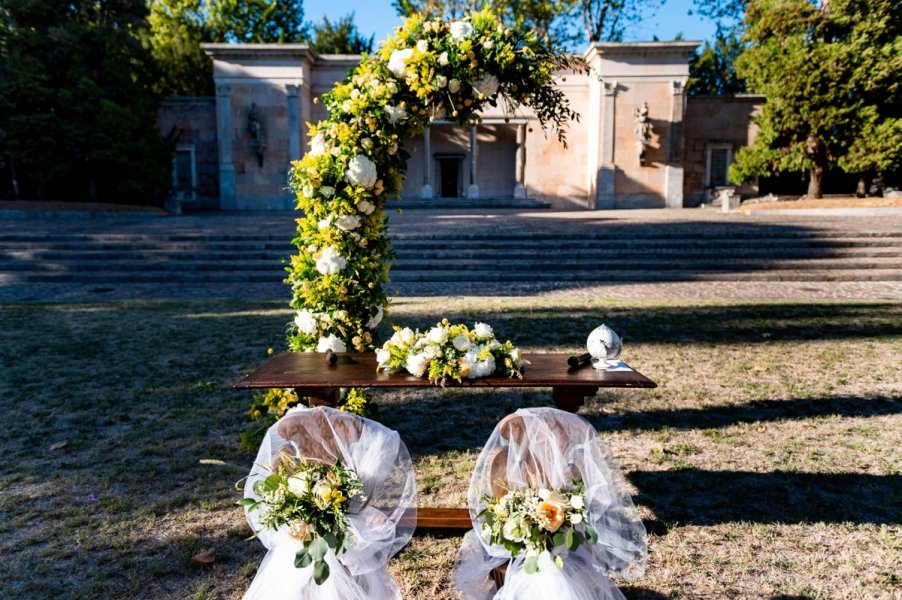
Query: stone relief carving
point(643, 129)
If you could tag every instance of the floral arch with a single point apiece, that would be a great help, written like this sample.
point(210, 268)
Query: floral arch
point(428, 70)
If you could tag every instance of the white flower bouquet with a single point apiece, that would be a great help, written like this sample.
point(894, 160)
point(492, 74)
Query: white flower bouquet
point(311, 499)
point(449, 351)
point(538, 523)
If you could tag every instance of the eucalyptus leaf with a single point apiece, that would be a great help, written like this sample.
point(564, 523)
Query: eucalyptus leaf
point(559, 539)
point(248, 502)
point(331, 540)
point(318, 548)
point(531, 564)
point(591, 535)
point(302, 559)
point(320, 572)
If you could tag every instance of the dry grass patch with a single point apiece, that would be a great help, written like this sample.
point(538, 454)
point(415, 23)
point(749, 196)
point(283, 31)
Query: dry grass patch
point(766, 465)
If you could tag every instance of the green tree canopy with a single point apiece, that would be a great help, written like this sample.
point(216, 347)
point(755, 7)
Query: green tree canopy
point(339, 37)
point(76, 102)
point(830, 74)
point(711, 68)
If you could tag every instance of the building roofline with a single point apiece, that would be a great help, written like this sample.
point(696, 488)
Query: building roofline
point(220, 50)
point(612, 49)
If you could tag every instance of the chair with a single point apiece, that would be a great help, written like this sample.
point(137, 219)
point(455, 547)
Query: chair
point(548, 448)
point(379, 519)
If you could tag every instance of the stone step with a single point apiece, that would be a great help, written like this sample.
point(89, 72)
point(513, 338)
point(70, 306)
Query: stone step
point(517, 253)
point(547, 265)
point(591, 275)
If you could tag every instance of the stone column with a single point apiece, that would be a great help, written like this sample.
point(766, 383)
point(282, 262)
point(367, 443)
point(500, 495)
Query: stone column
point(426, 191)
point(227, 196)
point(294, 122)
point(520, 174)
point(605, 184)
point(473, 189)
point(673, 175)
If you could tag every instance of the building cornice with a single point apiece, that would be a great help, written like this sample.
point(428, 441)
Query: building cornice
point(261, 51)
point(614, 50)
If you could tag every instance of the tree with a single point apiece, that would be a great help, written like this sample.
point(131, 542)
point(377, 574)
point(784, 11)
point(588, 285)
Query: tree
point(340, 37)
point(77, 106)
point(178, 27)
point(606, 20)
point(830, 74)
point(711, 69)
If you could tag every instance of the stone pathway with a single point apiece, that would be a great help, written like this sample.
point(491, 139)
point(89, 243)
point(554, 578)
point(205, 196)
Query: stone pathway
point(461, 225)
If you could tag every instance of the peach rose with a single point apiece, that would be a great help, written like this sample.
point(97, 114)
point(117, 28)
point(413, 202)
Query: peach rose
point(553, 510)
point(300, 531)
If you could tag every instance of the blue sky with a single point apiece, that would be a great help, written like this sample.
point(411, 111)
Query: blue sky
point(379, 18)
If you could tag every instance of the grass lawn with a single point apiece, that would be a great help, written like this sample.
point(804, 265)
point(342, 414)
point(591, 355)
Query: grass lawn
point(766, 465)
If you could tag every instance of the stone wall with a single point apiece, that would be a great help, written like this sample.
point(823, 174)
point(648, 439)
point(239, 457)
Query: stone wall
point(191, 121)
point(716, 122)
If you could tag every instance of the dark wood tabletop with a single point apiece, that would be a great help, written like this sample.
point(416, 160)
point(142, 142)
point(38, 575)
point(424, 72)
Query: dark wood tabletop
point(309, 369)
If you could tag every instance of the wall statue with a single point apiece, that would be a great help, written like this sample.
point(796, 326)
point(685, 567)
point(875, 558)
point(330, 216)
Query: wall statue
point(643, 129)
point(255, 129)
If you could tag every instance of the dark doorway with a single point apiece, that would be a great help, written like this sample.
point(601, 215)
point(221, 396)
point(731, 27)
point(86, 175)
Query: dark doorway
point(449, 175)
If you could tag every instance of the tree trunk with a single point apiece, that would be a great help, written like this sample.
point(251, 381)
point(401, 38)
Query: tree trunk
point(815, 182)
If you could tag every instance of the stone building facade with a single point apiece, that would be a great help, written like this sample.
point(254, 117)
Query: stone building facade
point(641, 142)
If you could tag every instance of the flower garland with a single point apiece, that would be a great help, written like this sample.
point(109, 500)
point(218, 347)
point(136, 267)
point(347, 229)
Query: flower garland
point(429, 70)
point(311, 499)
point(539, 523)
point(449, 352)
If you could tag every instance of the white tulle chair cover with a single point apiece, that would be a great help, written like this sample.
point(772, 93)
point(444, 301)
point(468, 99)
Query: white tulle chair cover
point(380, 525)
point(546, 447)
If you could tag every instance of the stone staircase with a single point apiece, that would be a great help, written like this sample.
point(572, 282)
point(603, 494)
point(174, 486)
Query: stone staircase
point(599, 256)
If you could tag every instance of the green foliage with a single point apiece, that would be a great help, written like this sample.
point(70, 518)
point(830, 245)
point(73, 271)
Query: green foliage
point(77, 109)
point(830, 75)
point(178, 27)
point(561, 23)
point(339, 37)
point(711, 70)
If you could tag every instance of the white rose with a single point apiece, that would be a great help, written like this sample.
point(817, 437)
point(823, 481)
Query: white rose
point(461, 342)
point(306, 322)
point(437, 335)
point(347, 222)
point(484, 368)
point(441, 81)
point(397, 62)
point(576, 518)
point(443, 59)
point(544, 494)
point(416, 364)
point(486, 86)
point(461, 30)
point(392, 87)
point(483, 330)
point(327, 191)
point(367, 144)
point(340, 315)
point(395, 113)
point(330, 261)
point(366, 207)
point(382, 356)
point(576, 502)
point(375, 319)
point(331, 343)
point(431, 351)
point(487, 44)
point(324, 223)
point(422, 45)
point(297, 484)
point(407, 335)
point(361, 171)
point(318, 144)
point(454, 86)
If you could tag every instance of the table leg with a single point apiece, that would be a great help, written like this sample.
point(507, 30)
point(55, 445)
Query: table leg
point(571, 398)
point(319, 396)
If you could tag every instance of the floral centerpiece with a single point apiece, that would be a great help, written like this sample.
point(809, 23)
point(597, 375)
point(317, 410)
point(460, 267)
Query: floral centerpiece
point(311, 499)
point(538, 523)
point(428, 70)
point(449, 352)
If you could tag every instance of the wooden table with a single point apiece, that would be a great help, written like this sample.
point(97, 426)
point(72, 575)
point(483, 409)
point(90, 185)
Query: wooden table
point(311, 377)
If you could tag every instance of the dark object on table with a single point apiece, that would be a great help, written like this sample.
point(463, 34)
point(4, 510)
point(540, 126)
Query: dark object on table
point(577, 361)
point(331, 358)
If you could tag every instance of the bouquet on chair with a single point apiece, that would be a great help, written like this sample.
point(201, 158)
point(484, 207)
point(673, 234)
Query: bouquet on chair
point(536, 522)
point(449, 351)
point(312, 500)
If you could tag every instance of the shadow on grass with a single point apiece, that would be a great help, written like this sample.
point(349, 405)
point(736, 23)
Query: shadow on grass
point(753, 412)
point(641, 593)
point(698, 497)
